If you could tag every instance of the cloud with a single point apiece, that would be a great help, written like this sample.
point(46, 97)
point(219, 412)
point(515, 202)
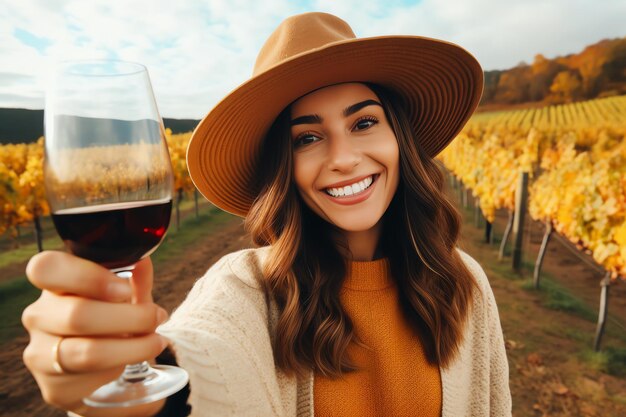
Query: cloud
point(197, 51)
point(27, 38)
point(500, 33)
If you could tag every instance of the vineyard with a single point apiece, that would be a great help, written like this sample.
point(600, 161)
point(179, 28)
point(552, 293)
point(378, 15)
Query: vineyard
point(22, 194)
point(575, 157)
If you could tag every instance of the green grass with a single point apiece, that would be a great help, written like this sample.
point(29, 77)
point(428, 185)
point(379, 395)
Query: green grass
point(610, 360)
point(24, 252)
point(18, 292)
point(556, 297)
point(15, 295)
point(551, 293)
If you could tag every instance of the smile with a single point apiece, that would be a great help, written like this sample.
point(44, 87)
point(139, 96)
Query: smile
point(351, 189)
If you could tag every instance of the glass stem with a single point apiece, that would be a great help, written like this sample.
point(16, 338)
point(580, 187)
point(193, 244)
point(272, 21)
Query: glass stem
point(136, 372)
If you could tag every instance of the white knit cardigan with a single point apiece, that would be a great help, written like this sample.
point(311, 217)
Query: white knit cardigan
point(222, 333)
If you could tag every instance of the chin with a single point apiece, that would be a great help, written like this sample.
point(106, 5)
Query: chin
point(355, 224)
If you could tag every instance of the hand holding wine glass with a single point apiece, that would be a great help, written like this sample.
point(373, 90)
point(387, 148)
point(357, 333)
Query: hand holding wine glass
point(109, 184)
point(89, 307)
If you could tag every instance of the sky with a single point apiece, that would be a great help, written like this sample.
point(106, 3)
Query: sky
point(197, 51)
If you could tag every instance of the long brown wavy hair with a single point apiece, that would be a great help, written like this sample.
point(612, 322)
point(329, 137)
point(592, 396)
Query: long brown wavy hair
point(305, 270)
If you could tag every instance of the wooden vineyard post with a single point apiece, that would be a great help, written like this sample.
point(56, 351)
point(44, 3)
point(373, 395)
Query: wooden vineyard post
point(461, 190)
point(521, 203)
point(195, 198)
point(477, 212)
point(464, 196)
point(542, 252)
point(38, 232)
point(505, 236)
point(604, 301)
point(179, 199)
point(488, 232)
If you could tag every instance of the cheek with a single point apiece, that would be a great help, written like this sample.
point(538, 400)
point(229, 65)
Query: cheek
point(390, 157)
point(299, 173)
point(303, 176)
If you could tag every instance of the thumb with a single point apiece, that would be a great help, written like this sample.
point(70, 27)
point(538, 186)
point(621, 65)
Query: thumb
point(141, 281)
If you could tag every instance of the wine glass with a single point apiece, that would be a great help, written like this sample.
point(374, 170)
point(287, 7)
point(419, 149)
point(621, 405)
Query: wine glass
point(109, 183)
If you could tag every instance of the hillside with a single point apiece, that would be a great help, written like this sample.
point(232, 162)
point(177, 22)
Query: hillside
point(598, 71)
point(22, 125)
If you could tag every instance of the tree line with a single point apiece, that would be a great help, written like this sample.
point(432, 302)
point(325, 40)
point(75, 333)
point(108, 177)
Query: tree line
point(598, 71)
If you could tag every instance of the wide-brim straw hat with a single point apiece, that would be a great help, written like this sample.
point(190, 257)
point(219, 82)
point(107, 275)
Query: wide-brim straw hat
point(440, 82)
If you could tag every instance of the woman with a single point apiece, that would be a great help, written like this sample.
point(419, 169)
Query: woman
point(357, 301)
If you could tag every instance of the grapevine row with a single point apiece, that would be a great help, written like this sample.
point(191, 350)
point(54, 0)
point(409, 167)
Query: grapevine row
point(575, 156)
point(22, 193)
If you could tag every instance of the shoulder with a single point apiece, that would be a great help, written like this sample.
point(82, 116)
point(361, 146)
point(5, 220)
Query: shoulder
point(474, 267)
point(484, 298)
point(245, 266)
point(231, 283)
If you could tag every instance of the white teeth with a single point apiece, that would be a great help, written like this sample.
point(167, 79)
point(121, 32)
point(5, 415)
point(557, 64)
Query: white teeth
point(351, 189)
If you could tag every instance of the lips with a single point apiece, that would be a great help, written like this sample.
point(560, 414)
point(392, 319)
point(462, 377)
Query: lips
point(364, 190)
point(348, 182)
point(352, 189)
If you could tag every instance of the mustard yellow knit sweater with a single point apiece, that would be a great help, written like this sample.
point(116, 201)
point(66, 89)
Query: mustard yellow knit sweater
point(396, 379)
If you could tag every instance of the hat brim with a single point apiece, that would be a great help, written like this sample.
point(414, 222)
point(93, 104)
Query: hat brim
point(440, 82)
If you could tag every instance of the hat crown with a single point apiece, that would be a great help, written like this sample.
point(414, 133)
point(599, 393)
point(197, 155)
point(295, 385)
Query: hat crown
point(299, 34)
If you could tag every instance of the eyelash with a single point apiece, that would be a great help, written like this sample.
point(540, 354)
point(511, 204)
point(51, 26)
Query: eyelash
point(372, 119)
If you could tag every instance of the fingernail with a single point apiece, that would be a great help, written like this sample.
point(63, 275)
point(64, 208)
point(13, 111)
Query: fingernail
point(161, 315)
point(119, 290)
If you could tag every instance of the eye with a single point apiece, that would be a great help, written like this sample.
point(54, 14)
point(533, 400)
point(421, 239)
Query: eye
point(304, 139)
point(365, 122)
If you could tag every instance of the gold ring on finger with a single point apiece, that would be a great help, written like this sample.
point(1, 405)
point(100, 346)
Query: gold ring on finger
point(56, 364)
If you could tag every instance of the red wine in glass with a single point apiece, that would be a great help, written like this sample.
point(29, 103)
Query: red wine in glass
point(114, 235)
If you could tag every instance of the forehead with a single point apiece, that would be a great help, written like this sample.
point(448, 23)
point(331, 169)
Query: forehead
point(331, 99)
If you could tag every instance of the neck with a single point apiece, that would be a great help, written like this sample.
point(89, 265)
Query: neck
point(363, 244)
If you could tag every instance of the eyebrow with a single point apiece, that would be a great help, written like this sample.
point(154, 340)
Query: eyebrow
point(353, 108)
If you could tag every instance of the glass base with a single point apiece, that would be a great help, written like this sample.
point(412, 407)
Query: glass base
point(160, 381)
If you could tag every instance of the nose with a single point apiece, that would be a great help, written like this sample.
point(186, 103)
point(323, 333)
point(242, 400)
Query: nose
point(343, 156)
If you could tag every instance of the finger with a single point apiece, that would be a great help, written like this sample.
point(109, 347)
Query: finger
point(69, 315)
point(67, 391)
point(141, 281)
point(78, 355)
point(64, 273)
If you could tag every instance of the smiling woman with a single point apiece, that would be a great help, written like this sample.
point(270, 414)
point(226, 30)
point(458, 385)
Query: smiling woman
point(345, 161)
point(357, 300)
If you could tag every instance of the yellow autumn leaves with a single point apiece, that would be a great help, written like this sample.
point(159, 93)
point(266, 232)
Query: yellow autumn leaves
point(21, 185)
point(22, 195)
point(576, 159)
